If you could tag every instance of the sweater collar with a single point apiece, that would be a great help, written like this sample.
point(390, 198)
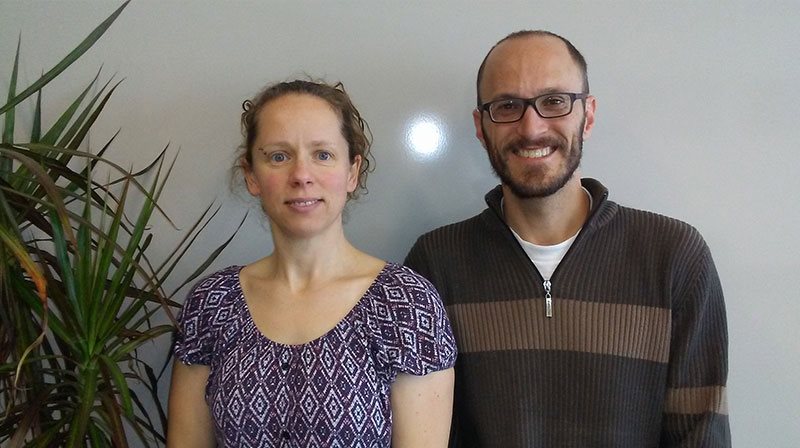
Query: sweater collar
point(598, 192)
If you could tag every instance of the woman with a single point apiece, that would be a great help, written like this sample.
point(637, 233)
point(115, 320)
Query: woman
point(317, 344)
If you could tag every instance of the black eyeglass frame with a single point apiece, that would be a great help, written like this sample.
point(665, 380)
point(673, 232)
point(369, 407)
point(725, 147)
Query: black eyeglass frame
point(532, 103)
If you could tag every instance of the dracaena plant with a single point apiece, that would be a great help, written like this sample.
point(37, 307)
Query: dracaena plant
point(79, 296)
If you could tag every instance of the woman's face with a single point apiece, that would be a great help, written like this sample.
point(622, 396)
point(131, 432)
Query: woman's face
point(300, 166)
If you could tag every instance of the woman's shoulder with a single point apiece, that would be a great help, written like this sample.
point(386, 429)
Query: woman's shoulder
point(206, 316)
point(216, 285)
point(402, 291)
point(222, 278)
point(398, 275)
point(412, 323)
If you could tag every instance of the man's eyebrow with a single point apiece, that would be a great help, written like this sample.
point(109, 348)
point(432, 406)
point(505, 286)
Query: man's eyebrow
point(504, 96)
point(508, 96)
point(552, 90)
point(501, 97)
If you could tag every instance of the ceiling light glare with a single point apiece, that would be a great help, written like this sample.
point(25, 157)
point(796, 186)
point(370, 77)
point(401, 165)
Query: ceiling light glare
point(424, 136)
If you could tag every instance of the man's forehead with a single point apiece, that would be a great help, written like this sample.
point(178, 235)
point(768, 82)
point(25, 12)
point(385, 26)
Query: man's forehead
point(531, 60)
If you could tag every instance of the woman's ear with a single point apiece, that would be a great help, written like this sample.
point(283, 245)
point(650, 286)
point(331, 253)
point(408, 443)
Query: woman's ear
point(352, 177)
point(249, 177)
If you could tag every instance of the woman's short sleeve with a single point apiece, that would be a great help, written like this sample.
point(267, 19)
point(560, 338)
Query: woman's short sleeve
point(417, 336)
point(201, 320)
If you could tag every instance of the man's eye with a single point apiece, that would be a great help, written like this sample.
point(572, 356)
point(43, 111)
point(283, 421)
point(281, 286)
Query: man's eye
point(324, 155)
point(508, 105)
point(551, 101)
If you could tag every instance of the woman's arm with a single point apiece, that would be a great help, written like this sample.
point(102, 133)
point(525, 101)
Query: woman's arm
point(422, 407)
point(189, 423)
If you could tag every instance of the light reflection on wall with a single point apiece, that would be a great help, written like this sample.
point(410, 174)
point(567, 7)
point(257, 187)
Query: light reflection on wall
point(426, 137)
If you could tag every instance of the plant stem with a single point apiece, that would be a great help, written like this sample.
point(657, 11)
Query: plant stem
point(88, 383)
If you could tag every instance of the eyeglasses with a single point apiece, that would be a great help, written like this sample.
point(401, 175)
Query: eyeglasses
point(549, 105)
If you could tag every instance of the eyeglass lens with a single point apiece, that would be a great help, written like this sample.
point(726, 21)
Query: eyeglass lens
point(547, 106)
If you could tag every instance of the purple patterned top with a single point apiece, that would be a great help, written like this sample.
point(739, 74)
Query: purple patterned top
point(330, 392)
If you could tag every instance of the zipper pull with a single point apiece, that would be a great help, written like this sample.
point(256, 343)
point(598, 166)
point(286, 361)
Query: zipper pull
point(548, 299)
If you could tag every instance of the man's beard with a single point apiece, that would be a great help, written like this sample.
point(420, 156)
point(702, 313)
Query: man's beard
point(527, 187)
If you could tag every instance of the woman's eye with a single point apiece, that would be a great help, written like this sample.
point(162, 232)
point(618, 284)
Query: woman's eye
point(277, 157)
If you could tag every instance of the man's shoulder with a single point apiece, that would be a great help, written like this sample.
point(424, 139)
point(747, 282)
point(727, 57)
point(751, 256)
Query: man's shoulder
point(653, 228)
point(642, 217)
point(475, 226)
point(461, 240)
point(610, 212)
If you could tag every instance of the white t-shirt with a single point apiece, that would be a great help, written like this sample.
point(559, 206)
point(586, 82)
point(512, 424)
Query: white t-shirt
point(546, 258)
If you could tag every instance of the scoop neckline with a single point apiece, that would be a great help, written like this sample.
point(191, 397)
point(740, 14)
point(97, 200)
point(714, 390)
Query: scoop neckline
point(316, 341)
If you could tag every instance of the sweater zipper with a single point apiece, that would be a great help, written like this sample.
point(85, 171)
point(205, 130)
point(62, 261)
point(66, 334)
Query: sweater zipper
point(548, 299)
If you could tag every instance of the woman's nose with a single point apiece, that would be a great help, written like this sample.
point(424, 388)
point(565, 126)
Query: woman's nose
point(300, 173)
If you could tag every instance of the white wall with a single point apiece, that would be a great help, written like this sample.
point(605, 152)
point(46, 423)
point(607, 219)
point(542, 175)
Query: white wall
point(697, 109)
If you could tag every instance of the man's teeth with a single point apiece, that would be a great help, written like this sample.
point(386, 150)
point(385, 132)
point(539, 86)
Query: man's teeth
point(304, 203)
point(535, 153)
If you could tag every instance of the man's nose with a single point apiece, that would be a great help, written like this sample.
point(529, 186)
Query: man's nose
point(531, 123)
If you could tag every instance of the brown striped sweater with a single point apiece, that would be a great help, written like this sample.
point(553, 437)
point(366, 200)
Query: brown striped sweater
point(635, 354)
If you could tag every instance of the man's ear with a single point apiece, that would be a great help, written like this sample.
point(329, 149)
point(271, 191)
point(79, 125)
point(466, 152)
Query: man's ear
point(589, 109)
point(477, 119)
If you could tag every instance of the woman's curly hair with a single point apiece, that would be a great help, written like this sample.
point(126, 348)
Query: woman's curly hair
point(355, 129)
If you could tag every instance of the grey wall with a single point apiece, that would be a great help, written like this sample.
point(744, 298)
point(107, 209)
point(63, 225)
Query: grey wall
point(697, 109)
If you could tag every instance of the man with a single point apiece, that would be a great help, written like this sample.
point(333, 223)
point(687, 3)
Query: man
point(579, 322)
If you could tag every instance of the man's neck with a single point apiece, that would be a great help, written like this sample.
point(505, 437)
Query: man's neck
point(549, 220)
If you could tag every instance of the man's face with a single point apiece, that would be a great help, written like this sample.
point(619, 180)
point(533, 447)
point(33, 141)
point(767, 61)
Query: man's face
point(533, 157)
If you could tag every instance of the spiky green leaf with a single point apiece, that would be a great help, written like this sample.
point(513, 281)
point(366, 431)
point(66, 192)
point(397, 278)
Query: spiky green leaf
point(73, 56)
